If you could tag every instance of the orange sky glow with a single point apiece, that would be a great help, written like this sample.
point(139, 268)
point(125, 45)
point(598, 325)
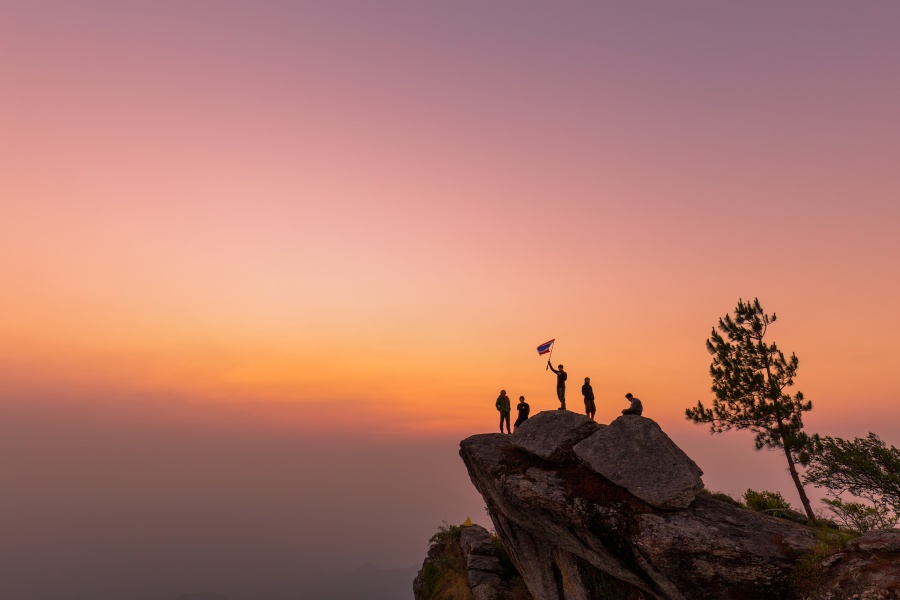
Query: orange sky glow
point(219, 223)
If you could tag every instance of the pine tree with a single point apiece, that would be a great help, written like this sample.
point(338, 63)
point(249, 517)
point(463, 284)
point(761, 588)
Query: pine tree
point(749, 382)
point(866, 468)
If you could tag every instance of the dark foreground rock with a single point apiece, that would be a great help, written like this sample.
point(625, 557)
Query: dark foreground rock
point(580, 526)
point(867, 568)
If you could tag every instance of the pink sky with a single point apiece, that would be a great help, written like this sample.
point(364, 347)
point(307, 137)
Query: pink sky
point(360, 220)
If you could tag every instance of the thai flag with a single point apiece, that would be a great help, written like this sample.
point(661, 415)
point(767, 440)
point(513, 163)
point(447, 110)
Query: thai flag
point(545, 347)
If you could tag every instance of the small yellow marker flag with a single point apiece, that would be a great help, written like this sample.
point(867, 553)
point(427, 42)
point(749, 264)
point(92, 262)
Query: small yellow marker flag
point(468, 522)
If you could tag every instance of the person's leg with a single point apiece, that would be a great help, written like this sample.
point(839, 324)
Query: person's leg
point(561, 394)
point(505, 416)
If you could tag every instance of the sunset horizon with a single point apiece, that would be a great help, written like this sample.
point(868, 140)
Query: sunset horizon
point(274, 262)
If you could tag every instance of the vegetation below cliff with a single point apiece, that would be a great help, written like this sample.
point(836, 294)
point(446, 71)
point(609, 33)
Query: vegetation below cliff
point(468, 563)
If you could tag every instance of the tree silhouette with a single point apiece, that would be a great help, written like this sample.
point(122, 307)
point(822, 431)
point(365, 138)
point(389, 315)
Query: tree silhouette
point(749, 381)
point(866, 468)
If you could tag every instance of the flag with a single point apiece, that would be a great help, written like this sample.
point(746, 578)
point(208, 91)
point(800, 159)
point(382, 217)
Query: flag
point(545, 347)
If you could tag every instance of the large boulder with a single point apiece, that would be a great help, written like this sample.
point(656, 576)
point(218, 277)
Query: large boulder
point(633, 452)
point(619, 516)
point(552, 434)
point(573, 533)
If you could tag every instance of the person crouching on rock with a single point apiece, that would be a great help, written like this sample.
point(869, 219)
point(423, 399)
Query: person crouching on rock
point(502, 405)
point(590, 409)
point(523, 409)
point(636, 407)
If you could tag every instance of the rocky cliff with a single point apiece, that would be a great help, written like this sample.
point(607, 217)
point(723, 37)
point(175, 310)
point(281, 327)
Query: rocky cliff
point(589, 511)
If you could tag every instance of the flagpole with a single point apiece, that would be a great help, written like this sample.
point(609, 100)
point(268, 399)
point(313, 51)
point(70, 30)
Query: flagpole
point(551, 355)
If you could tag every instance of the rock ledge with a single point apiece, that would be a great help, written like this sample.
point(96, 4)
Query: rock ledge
point(588, 512)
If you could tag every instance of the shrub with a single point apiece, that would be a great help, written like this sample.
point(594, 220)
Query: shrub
point(446, 534)
point(444, 573)
point(449, 556)
point(724, 498)
point(862, 517)
point(765, 501)
point(431, 576)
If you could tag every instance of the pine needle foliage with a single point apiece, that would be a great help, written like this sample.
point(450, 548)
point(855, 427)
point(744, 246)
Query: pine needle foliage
point(862, 517)
point(866, 468)
point(750, 379)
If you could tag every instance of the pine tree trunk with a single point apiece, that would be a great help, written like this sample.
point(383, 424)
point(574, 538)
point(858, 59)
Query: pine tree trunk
point(803, 499)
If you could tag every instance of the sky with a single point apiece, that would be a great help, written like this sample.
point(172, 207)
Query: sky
point(264, 264)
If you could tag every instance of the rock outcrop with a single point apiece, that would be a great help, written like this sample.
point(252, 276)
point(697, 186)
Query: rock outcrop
point(634, 453)
point(867, 568)
point(588, 511)
point(485, 572)
point(464, 563)
point(553, 434)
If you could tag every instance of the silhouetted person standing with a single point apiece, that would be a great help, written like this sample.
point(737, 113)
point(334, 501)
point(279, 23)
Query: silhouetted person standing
point(587, 391)
point(636, 407)
point(561, 377)
point(523, 409)
point(502, 405)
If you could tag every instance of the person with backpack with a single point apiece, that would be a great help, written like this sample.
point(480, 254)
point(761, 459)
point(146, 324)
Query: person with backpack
point(502, 405)
point(587, 391)
point(523, 409)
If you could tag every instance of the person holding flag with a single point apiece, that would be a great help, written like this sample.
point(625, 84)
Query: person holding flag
point(561, 375)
